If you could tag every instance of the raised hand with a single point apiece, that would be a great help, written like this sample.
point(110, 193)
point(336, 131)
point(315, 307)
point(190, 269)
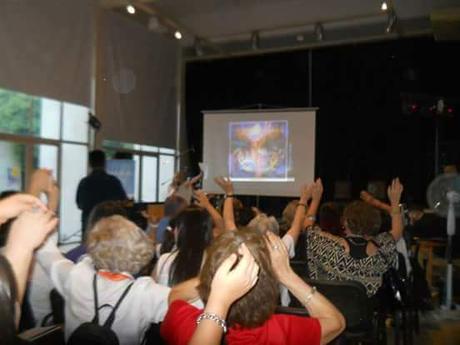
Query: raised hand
point(201, 198)
point(394, 192)
point(225, 183)
point(317, 190)
point(31, 228)
point(14, 205)
point(41, 181)
point(229, 284)
point(305, 193)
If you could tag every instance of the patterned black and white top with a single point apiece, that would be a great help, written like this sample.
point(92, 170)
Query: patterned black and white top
point(327, 260)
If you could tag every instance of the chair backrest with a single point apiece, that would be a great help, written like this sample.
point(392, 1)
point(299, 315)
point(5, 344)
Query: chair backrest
point(350, 298)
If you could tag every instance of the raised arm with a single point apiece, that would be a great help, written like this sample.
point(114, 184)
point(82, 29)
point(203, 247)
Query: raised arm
point(298, 222)
point(229, 217)
point(394, 192)
point(203, 201)
point(316, 194)
point(371, 200)
point(331, 320)
point(27, 233)
point(42, 182)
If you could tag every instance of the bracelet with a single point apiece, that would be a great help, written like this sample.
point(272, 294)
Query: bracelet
point(395, 211)
point(213, 317)
point(312, 218)
point(302, 204)
point(228, 196)
point(310, 295)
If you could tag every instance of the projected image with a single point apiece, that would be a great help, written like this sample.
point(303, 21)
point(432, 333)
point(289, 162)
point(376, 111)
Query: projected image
point(258, 151)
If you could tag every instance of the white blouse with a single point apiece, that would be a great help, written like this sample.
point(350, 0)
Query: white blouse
point(146, 302)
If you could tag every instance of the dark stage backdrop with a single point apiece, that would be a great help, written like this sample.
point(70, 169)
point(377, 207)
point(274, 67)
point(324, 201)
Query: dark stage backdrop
point(362, 133)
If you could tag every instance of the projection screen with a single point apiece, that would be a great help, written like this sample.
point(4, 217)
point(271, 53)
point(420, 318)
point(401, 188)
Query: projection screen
point(264, 152)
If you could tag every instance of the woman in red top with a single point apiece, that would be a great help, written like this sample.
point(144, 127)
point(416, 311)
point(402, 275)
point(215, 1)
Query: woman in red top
point(245, 295)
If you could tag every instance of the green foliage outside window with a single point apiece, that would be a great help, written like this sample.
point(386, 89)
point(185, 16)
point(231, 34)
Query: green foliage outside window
point(19, 113)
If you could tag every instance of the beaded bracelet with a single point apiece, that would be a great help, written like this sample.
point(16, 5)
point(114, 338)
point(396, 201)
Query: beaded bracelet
point(302, 204)
point(228, 196)
point(213, 317)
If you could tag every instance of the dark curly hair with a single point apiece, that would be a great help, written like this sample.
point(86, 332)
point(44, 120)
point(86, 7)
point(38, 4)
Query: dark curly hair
point(257, 306)
point(362, 219)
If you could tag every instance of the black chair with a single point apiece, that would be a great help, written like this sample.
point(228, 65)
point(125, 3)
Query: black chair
point(52, 335)
point(351, 299)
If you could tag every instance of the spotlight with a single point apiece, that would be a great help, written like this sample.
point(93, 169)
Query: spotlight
point(319, 32)
point(130, 9)
point(255, 40)
point(391, 22)
point(384, 6)
point(178, 35)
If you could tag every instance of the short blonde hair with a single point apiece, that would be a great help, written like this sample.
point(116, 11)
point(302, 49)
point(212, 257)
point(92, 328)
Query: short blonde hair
point(118, 245)
point(263, 223)
point(289, 212)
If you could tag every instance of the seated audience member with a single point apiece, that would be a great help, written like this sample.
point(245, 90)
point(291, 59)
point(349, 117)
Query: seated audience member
point(100, 211)
point(361, 255)
point(33, 222)
point(117, 250)
point(330, 218)
point(172, 207)
point(263, 223)
point(250, 318)
point(201, 199)
point(193, 230)
point(403, 265)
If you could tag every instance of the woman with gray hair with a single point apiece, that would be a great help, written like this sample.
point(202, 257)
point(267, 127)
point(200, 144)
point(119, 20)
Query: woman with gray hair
point(117, 250)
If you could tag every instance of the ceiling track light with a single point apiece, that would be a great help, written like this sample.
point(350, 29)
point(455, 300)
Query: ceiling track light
point(384, 6)
point(130, 9)
point(391, 22)
point(255, 40)
point(319, 32)
point(178, 35)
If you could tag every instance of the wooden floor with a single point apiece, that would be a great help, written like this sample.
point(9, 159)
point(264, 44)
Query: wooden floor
point(439, 328)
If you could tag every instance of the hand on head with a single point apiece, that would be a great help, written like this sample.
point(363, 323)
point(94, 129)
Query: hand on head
point(14, 205)
point(225, 183)
point(229, 284)
point(395, 190)
point(279, 256)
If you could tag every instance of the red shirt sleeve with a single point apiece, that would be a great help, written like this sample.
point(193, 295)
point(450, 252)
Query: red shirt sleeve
point(179, 323)
point(301, 330)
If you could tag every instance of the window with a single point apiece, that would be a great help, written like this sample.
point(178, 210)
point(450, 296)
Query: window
point(154, 168)
point(38, 132)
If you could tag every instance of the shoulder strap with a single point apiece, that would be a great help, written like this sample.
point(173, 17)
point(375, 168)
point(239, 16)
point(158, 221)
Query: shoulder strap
point(108, 323)
point(96, 303)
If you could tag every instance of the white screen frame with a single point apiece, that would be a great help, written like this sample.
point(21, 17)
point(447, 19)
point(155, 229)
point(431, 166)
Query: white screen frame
point(302, 141)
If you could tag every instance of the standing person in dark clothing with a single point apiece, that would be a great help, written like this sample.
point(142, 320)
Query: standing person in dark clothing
point(97, 187)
